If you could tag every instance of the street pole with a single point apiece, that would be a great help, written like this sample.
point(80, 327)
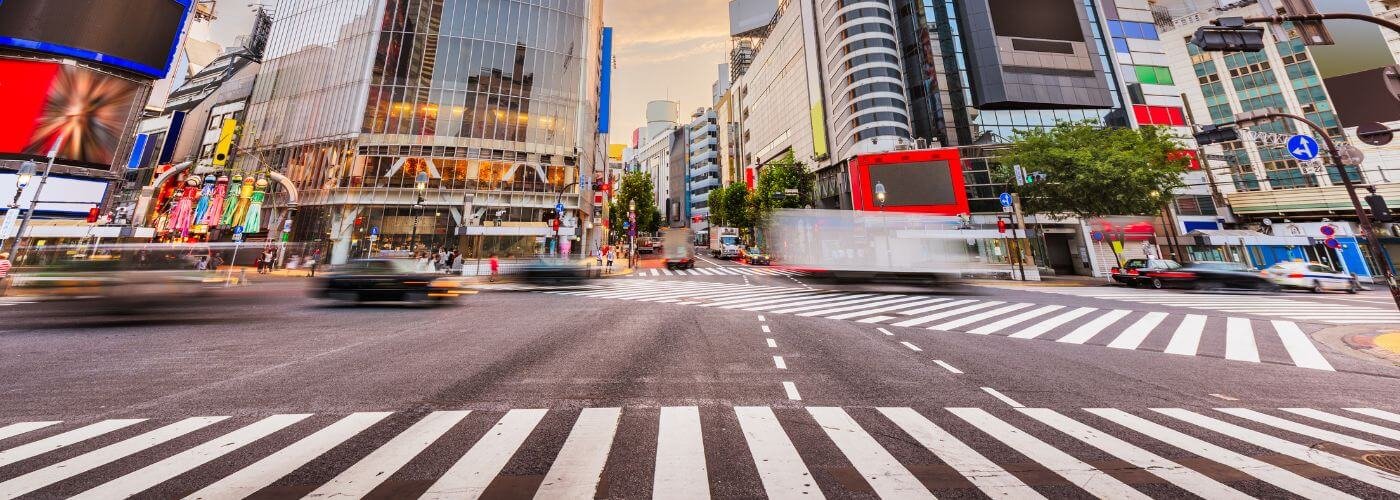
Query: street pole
point(1374, 241)
point(34, 202)
point(1021, 226)
point(559, 219)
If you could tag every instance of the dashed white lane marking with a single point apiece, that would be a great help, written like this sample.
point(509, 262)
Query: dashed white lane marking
point(884, 331)
point(947, 366)
point(761, 318)
point(791, 390)
point(778, 362)
point(1224, 397)
point(772, 343)
point(997, 394)
point(766, 329)
point(912, 347)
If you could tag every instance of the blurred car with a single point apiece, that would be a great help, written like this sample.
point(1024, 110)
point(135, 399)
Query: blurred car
point(676, 249)
point(646, 245)
point(754, 256)
point(1312, 276)
point(1209, 276)
point(1131, 273)
point(115, 286)
point(387, 280)
point(555, 271)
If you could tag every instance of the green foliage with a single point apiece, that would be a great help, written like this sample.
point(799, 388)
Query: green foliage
point(1094, 171)
point(635, 186)
point(774, 179)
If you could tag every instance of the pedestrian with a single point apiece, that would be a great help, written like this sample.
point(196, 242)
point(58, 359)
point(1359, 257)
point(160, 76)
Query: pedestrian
point(610, 251)
point(266, 262)
point(217, 262)
point(4, 272)
point(202, 264)
point(495, 267)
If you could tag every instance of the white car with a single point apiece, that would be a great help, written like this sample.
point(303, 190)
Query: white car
point(1312, 276)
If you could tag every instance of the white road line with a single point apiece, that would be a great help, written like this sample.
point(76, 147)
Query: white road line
point(766, 329)
point(13, 430)
point(55, 442)
point(1354, 470)
point(579, 467)
point(1239, 340)
point(1174, 473)
point(947, 314)
point(1372, 412)
point(896, 307)
point(1017, 319)
point(1083, 475)
point(791, 390)
point(1300, 348)
point(819, 306)
point(778, 362)
point(880, 469)
point(983, 316)
point(884, 331)
point(1264, 471)
point(912, 347)
point(371, 471)
point(863, 308)
point(1089, 330)
point(1044, 327)
point(779, 466)
point(483, 462)
point(1306, 430)
point(102, 456)
point(681, 471)
point(1187, 338)
point(816, 299)
point(761, 318)
point(1347, 422)
point(767, 298)
point(1133, 336)
point(936, 307)
point(997, 394)
point(875, 319)
point(984, 474)
point(164, 470)
point(947, 366)
point(772, 343)
point(1222, 396)
point(263, 473)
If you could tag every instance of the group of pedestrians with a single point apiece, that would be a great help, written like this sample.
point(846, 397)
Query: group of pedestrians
point(605, 256)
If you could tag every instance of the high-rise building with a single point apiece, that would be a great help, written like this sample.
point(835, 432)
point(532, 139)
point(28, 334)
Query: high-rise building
point(703, 174)
point(495, 101)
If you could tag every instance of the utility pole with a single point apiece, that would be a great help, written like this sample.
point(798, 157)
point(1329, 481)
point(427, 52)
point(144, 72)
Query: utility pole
point(1020, 226)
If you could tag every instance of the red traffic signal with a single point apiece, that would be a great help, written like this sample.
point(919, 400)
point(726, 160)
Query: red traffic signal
point(93, 213)
point(555, 222)
point(1001, 226)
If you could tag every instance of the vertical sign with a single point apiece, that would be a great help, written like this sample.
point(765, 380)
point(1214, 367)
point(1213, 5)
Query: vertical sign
point(138, 151)
point(172, 136)
point(605, 85)
point(814, 78)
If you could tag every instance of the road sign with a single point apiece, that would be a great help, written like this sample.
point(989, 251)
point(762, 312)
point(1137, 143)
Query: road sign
point(374, 231)
point(238, 237)
point(559, 207)
point(1097, 235)
point(1374, 134)
point(1020, 174)
point(1005, 199)
point(1329, 231)
point(1333, 243)
point(626, 225)
point(237, 230)
point(1302, 147)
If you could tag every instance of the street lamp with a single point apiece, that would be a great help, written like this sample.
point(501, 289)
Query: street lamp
point(880, 195)
point(420, 186)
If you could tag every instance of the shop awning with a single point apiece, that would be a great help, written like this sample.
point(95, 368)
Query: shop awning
point(1224, 237)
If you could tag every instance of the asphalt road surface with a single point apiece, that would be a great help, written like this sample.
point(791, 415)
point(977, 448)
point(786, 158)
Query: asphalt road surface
point(729, 382)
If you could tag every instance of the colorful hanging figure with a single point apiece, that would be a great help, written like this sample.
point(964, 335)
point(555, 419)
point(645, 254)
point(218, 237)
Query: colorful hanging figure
point(245, 198)
point(184, 210)
point(202, 207)
point(253, 223)
point(231, 203)
point(215, 213)
point(163, 219)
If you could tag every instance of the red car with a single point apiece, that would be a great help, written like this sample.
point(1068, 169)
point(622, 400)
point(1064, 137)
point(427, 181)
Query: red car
point(1133, 272)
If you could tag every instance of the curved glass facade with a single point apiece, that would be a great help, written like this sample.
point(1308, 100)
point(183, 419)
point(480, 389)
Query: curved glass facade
point(867, 82)
point(496, 100)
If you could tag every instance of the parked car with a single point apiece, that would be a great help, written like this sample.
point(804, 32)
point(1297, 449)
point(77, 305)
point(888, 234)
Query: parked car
point(1210, 276)
point(393, 280)
point(1131, 273)
point(754, 256)
point(1312, 276)
point(646, 245)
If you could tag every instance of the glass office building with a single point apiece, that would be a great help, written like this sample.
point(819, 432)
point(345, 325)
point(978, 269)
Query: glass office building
point(495, 100)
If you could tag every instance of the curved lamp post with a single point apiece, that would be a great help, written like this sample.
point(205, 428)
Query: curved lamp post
point(420, 187)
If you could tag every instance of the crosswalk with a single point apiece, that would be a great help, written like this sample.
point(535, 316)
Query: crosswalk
point(700, 452)
point(1263, 305)
point(1234, 338)
point(720, 271)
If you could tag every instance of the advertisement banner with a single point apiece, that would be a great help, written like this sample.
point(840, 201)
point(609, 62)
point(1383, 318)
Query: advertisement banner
point(44, 100)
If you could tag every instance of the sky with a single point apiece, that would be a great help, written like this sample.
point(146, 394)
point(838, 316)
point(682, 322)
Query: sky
point(665, 49)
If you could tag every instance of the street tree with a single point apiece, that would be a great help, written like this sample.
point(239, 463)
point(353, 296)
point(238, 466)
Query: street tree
point(635, 187)
point(734, 204)
point(1092, 171)
point(775, 179)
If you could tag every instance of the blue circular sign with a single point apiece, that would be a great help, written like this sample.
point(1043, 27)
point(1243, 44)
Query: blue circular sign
point(1333, 244)
point(1303, 148)
point(1005, 199)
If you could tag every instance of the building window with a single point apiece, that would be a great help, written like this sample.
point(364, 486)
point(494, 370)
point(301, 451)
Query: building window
point(1155, 75)
point(1170, 116)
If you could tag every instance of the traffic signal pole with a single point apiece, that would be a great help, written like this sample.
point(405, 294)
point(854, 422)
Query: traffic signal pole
point(1361, 215)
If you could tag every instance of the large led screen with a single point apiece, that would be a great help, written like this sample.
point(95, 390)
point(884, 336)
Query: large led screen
point(1042, 19)
point(922, 183)
point(43, 101)
point(1032, 54)
point(137, 35)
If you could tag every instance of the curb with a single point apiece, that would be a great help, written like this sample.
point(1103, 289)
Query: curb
point(1360, 342)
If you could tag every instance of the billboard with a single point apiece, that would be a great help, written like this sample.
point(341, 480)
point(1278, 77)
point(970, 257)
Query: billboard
point(135, 35)
point(1033, 54)
point(45, 100)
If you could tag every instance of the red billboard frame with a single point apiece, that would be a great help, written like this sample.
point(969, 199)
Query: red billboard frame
point(863, 197)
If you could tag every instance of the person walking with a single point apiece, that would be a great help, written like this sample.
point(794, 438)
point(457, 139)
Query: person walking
point(266, 262)
point(202, 264)
point(4, 272)
point(609, 255)
point(313, 261)
point(495, 267)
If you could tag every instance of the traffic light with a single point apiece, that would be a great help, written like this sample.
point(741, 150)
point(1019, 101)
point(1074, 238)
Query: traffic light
point(1001, 226)
point(1035, 177)
point(1379, 211)
point(93, 213)
point(1229, 39)
point(1215, 134)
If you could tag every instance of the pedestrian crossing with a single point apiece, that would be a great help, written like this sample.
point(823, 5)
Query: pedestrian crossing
point(716, 451)
point(1230, 337)
point(719, 271)
point(1263, 305)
